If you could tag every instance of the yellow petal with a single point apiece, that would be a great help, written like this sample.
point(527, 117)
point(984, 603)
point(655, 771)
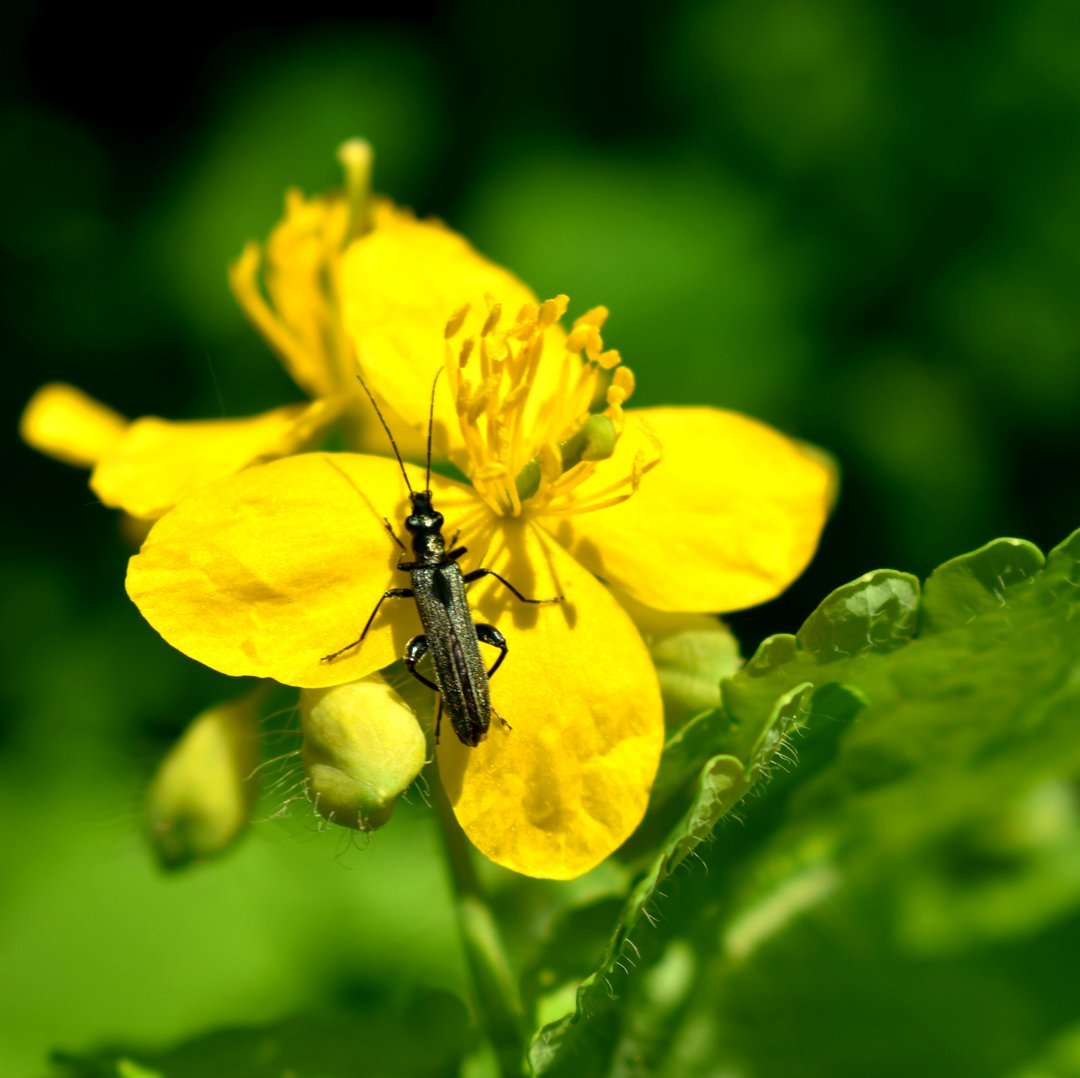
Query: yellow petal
point(400, 285)
point(271, 569)
point(728, 519)
point(65, 423)
point(298, 314)
point(158, 462)
point(308, 364)
point(568, 784)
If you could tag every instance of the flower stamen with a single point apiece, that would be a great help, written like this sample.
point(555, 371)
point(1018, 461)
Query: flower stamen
point(532, 435)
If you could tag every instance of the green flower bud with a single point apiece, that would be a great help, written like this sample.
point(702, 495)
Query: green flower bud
point(362, 749)
point(201, 797)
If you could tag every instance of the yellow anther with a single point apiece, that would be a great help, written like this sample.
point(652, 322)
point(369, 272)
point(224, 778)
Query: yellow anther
point(496, 348)
point(551, 310)
point(514, 398)
point(568, 435)
point(461, 401)
point(595, 317)
point(579, 337)
point(616, 395)
point(492, 319)
point(477, 404)
point(457, 319)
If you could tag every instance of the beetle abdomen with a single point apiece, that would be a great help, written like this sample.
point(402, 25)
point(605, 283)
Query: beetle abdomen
point(454, 649)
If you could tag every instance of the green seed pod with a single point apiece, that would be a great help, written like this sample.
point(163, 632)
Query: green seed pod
point(600, 438)
point(595, 439)
point(201, 797)
point(362, 749)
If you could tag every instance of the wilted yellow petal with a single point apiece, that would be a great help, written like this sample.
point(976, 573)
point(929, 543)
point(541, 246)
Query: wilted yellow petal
point(65, 423)
point(201, 796)
point(400, 285)
point(728, 519)
point(568, 784)
point(362, 749)
point(269, 570)
point(158, 462)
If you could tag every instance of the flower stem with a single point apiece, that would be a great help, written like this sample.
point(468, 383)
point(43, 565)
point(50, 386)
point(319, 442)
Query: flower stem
point(495, 996)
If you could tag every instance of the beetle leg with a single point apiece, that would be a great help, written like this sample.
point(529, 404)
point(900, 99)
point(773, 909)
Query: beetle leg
point(393, 535)
point(415, 650)
point(488, 634)
point(478, 574)
point(392, 593)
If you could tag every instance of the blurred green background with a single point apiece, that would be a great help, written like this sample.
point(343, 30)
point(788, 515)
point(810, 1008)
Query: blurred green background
point(859, 221)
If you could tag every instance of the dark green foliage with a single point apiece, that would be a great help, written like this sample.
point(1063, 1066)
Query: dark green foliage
point(908, 885)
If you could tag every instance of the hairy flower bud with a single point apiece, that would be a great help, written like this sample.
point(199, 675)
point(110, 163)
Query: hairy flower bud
point(201, 797)
point(362, 748)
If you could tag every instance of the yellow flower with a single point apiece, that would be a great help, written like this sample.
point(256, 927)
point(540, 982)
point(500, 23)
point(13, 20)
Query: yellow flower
point(146, 466)
point(683, 509)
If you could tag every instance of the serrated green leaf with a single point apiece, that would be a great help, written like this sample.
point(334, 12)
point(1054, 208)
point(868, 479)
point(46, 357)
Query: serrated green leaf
point(579, 1040)
point(932, 867)
point(575, 1043)
point(693, 654)
point(925, 754)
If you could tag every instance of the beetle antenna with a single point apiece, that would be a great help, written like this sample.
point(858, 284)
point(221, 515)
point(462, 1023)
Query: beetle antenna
point(430, 424)
point(386, 427)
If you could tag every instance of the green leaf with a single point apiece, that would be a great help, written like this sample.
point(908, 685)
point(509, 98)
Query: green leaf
point(562, 1046)
point(379, 1036)
point(923, 747)
point(932, 868)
